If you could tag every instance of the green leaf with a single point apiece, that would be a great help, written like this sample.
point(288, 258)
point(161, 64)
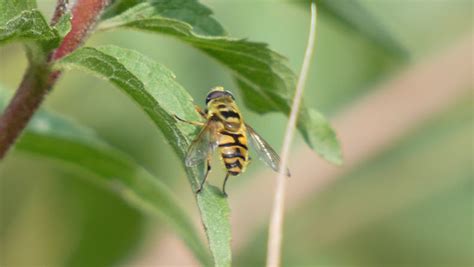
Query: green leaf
point(64, 25)
point(265, 80)
point(319, 132)
point(11, 8)
point(188, 11)
point(352, 15)
point(215, 212)
point(154, 89)
point(119, 6)
point(53, 136)
point(30, 25)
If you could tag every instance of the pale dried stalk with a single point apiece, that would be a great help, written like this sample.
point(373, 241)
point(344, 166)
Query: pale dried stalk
point(275, 231)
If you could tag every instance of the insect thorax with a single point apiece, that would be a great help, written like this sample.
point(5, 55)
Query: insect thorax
point(225, 111)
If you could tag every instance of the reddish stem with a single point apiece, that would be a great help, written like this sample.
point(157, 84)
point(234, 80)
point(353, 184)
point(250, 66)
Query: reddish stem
point(61, 8)
point(84, 17)
point(39, 79)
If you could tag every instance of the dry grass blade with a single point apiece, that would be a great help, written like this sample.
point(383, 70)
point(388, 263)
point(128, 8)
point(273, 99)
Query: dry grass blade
point(276, 222)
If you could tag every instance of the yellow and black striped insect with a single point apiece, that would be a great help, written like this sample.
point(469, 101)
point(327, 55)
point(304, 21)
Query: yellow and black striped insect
point(226, 130)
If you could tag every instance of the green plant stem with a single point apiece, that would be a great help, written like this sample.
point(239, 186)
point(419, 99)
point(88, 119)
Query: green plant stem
point(38, 78)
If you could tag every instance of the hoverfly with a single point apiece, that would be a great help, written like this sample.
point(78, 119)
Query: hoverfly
point(225, 129)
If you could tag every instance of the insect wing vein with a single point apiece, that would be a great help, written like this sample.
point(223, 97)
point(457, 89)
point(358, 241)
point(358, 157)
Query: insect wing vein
point(264, 150)
point(202, 146)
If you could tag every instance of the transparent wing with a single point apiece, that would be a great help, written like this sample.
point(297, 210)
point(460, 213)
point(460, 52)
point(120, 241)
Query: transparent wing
point(264, 150)
point(202, 146)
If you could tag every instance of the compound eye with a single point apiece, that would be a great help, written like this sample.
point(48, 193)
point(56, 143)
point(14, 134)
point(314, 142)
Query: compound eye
point(214, 95)
point(230, 94)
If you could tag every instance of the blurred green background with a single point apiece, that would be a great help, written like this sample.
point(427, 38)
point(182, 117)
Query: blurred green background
point(52, 214)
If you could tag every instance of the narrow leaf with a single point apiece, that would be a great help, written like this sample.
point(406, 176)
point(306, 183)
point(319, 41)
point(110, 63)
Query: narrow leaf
point(215, 211)
point(154, 89)
point(263, 76)
point(50, 135)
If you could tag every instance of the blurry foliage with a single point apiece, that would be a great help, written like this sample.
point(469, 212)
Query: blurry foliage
point(53, 136)
point(51, 215)
point(354, 16)
point(378, 214)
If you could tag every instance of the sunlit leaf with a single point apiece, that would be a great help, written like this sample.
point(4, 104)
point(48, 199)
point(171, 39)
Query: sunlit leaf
point(56, 137)
point(263, 76)
point(154, 89)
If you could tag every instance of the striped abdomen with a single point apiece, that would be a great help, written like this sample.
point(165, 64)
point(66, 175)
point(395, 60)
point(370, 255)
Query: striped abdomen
point(232, 136)
point(234, 151)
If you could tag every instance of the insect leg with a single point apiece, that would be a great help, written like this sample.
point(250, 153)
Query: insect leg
point(196, 123)
point(200, 111)
point(208, 169)
point(225, 181)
